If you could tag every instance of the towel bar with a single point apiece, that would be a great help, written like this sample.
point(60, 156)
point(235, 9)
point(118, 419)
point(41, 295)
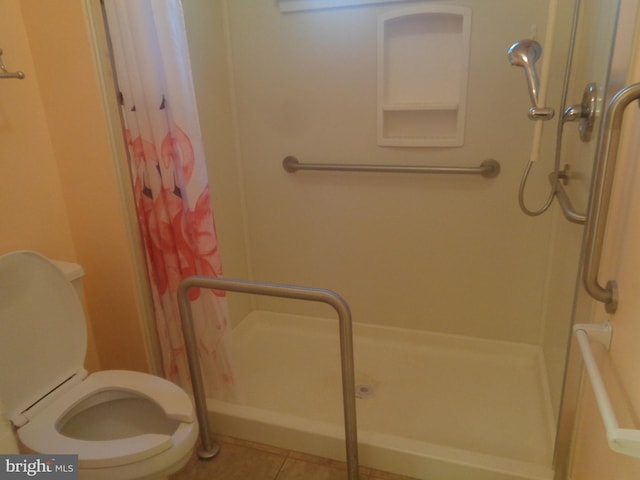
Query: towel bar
point(621, 440)
point(4, 73)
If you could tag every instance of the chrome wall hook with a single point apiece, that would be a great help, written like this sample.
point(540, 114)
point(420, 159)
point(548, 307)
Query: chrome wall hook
point(4, 73)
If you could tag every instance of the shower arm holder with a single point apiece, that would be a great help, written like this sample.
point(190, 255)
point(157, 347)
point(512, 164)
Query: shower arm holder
point(210, 449)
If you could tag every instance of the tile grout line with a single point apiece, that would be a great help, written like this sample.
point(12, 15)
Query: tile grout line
point(286, 457)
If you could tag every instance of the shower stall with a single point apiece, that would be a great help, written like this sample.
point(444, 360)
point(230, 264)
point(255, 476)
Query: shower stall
point(462, 305)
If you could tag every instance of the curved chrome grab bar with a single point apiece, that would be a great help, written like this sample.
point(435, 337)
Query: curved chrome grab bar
point(210, 449)
point(601, 195)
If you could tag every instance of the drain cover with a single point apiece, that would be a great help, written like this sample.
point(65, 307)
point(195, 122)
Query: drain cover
point(365, 390)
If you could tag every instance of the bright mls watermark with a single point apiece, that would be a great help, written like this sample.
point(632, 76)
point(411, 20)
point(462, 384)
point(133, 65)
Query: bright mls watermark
point(50, 467)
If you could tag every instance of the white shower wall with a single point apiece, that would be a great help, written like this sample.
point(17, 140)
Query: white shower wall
point(449, 254)
point(208, 47)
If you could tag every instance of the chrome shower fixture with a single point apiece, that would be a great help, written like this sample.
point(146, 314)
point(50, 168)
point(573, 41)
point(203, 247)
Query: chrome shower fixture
point(585, 112)
point(525, 54)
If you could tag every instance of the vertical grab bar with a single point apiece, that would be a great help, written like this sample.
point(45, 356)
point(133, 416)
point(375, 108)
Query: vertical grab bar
point(601, 196)
point(208, 448)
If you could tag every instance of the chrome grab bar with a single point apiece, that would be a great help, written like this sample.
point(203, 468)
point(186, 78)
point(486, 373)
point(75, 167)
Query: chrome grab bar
point(488, 168)
point(209, 449)
point(601, 196)
point(565, 202)
point(4, 73)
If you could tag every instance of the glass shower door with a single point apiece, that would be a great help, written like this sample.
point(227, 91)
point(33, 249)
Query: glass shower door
point(599, 67)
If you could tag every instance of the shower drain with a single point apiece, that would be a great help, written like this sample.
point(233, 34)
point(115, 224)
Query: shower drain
point(365, 390)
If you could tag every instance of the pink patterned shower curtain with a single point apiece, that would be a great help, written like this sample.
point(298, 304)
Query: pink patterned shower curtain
point(170, 181)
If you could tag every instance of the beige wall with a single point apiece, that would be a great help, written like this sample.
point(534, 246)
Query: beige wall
point(34, 214)
point(61, 195)
point(447, 254)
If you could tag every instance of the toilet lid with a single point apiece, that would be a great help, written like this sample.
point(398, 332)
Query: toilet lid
point(43, 341)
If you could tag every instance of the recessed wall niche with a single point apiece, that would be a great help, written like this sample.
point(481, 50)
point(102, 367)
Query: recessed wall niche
point(423, 57)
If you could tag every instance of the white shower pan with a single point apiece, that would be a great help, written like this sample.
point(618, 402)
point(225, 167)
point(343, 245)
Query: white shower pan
point(430, 406)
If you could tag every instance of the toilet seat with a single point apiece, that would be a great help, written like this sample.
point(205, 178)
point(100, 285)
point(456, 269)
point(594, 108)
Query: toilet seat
point(42, 430)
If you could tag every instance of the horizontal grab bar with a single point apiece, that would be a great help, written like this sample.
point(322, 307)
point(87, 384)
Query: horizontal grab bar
point(565, 202)
point(488, 168)
point(18, 75)
point(621, 440)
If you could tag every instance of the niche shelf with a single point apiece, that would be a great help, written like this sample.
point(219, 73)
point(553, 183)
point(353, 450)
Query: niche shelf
point(423, 57)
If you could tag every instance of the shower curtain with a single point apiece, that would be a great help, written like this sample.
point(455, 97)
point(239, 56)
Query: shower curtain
point(170, 181)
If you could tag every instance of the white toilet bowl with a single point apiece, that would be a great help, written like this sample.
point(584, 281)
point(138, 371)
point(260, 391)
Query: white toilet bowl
point(121, 424)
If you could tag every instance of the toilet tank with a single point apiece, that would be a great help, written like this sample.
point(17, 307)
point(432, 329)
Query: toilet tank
point(73, 272)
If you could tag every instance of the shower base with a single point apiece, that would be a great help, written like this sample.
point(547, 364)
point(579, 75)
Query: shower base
point(431, 406)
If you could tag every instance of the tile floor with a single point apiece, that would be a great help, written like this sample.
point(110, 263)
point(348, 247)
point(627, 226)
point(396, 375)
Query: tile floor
point(242, 460)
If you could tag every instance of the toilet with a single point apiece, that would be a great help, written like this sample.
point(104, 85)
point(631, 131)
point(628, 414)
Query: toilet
point(121, 424)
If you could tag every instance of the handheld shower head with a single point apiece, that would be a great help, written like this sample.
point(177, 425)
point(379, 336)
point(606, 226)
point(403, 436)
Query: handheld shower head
point(525, 53)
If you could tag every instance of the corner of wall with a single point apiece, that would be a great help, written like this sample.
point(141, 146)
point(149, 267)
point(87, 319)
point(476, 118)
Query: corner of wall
point(82, 145)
